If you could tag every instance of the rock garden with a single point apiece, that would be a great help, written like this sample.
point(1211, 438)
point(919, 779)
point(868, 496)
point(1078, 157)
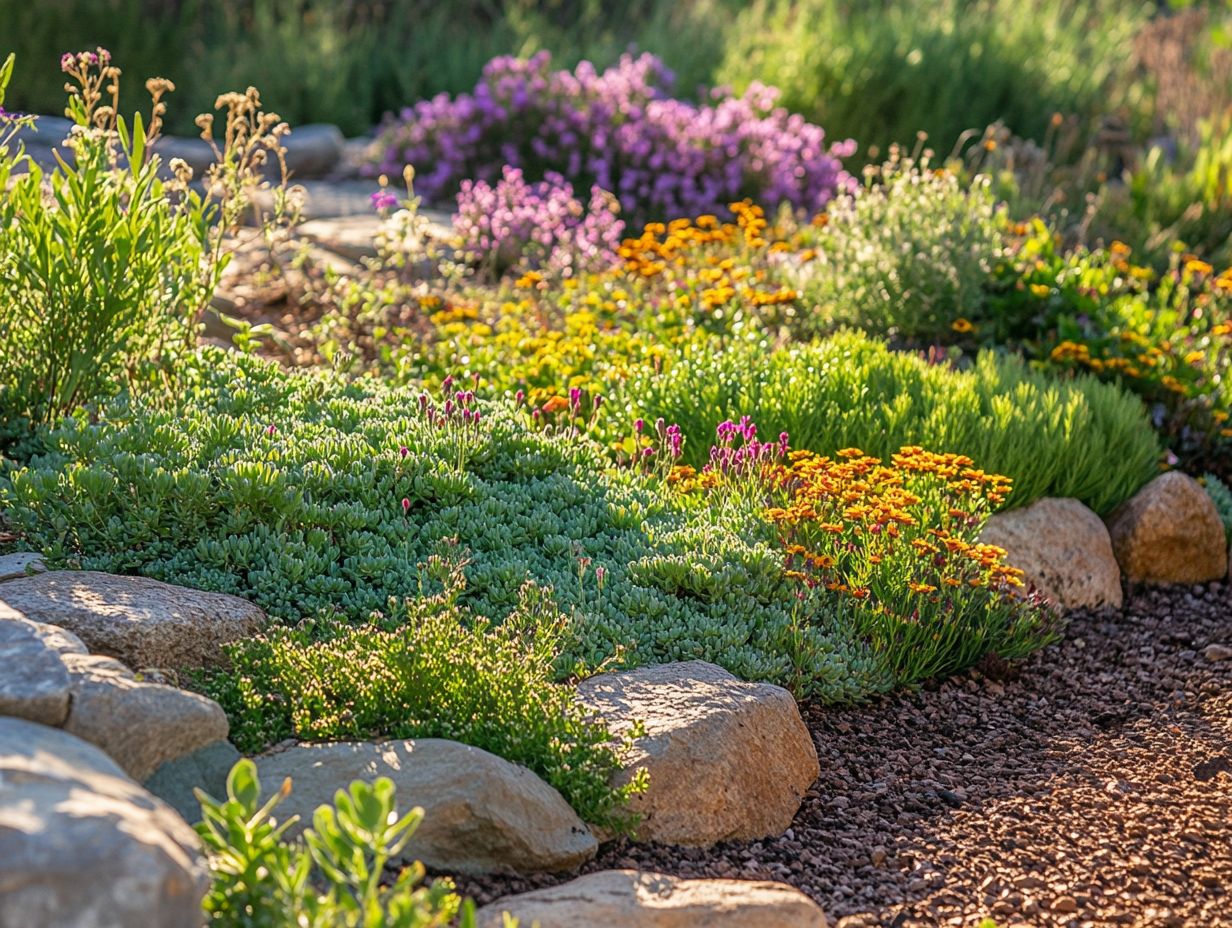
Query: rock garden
point(582, 502)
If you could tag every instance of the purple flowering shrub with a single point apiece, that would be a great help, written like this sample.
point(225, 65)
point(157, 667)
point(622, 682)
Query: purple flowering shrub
point(537, 226)
point(620, 130)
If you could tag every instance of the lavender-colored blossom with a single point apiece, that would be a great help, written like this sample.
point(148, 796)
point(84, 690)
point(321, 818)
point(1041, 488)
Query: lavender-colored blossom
point(382, 200)
point(619, 130)
point(539, 226)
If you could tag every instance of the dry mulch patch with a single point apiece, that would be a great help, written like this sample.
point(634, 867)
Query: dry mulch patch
point(1089, 786)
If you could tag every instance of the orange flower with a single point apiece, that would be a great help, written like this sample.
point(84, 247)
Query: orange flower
point(962, 326)
point(555, 404)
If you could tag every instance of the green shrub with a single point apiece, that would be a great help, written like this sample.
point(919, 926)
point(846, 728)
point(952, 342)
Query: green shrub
point(430, 670)
point(880, 72)
point(288, 489)
point(1053, 437)
point(333, 877)
point(908, 256)
point(104, 267)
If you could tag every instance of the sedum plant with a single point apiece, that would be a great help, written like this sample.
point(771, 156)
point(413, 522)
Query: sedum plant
point(334, 877)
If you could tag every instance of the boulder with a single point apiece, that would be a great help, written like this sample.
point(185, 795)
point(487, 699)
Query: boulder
point(1064, 550)
point(1169, 532)
point(142, 622)
point(140, 725)
point(628, 899)
point(728, 760)
point(20, 564)
point(34, 681)
point(82, 846)
point(311, 150)
point(482, 813)
point(205, 768)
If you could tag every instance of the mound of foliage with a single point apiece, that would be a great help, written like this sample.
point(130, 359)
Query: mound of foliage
point(621, 130)
point(1071, 438)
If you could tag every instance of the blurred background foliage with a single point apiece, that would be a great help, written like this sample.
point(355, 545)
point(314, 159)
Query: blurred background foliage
point(878, 71)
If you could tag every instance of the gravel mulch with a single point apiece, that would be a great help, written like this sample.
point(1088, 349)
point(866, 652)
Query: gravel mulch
point(1089, 786)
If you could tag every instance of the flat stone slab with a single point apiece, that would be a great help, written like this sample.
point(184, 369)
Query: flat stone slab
point(83, 846)
point(482, 813)
point(629, 899)
point(728, 760)
point(142, 622)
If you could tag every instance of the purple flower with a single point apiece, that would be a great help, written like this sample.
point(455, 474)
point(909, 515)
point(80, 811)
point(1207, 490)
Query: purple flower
point(619, 130)
point(382, 200)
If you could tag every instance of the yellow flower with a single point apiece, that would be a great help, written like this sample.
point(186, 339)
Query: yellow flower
point(1040, 290)
point(921, 587)
point(962, 326)
point(1194, 266)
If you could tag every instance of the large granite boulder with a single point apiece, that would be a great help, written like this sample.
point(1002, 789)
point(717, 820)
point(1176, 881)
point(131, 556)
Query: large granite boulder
point(82, 846)
point(1169, 532)
point(727, 760)
point(140, 725)
point(482, 813)
point(1064, 550)
point(628, 899)
point(142, 622)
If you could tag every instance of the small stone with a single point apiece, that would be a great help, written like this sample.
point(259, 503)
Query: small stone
point(1217, 652)
point(878, 856)
point(1064, 904)
point(82, 846)
point(1064, 550)
point(205, 768)
point(140, 725)
point(34, 681)
point(21, 564)
point(1170, 532)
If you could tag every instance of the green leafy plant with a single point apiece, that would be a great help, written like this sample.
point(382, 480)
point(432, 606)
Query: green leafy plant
point(908, 256)
point(431, 670)
point(335, 877)
point(104, 266)
point(310, 496)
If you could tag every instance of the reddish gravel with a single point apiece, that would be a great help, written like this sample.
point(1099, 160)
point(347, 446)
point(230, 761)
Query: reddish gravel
point(1089, 786)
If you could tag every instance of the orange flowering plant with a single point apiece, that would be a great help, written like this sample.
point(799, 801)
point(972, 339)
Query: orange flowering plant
point(898, 542)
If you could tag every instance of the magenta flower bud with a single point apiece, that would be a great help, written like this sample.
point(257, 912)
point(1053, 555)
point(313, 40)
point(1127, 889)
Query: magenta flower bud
point(404, 451)
point(638, 425)
point(598, 400)
point(423, 401)
point(406, 505)
point(519, 397)
point(575, 397)
point(447, 382)
point(271, 429)
point(67, 60)
point(448, 407)
point(600, 573)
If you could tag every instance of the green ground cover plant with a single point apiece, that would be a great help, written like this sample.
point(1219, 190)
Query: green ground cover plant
point(333, 876)
point(1221, 496)
point(295, 492)
point(427, 668)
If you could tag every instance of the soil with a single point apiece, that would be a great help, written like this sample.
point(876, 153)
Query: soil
point(1090, 785)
